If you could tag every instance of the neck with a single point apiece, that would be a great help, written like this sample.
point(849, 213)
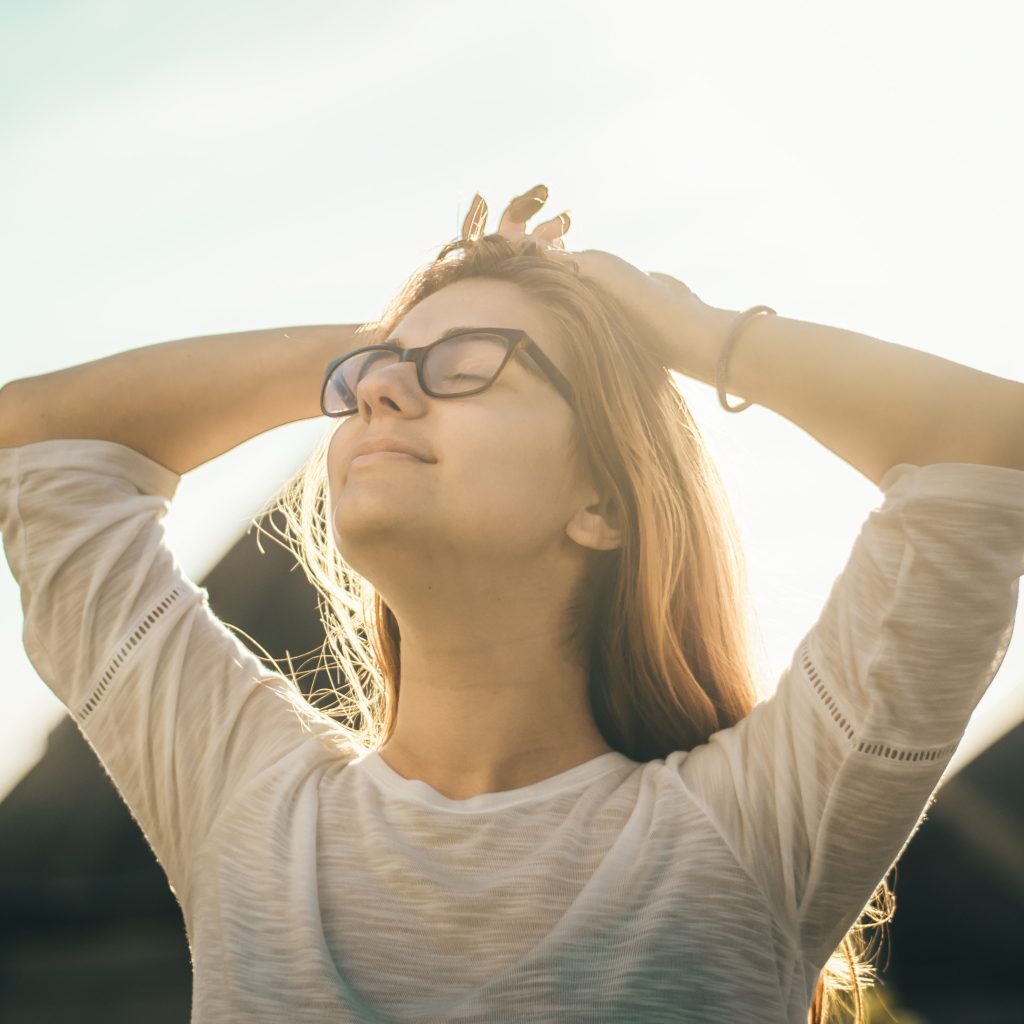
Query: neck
point(489, 699)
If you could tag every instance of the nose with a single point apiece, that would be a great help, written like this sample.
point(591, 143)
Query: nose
point(393, 387)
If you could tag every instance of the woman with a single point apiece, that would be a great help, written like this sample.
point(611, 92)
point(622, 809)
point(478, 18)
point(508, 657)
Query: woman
point(548, 794)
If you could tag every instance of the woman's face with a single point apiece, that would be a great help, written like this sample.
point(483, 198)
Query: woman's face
point(500, 485)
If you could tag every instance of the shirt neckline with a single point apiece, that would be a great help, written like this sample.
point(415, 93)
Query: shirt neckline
point(416, 791)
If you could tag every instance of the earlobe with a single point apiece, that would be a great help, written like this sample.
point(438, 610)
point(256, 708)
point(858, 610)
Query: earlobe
point(590, 529)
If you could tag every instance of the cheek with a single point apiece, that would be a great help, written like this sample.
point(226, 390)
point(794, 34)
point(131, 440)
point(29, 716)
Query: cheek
point(519, 479)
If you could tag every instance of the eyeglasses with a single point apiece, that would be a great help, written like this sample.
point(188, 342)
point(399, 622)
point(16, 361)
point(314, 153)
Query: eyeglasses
point(463, 361)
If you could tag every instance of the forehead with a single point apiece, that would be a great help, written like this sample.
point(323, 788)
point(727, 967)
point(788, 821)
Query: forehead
point(478, 302)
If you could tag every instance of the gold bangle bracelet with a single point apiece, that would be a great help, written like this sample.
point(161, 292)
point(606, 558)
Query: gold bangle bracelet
point(723, 359)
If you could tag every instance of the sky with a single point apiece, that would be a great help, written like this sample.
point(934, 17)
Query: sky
point(172, 170)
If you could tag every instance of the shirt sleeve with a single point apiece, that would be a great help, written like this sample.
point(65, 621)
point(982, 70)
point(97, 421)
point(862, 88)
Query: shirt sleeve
point(180, 713)
point(819, 789)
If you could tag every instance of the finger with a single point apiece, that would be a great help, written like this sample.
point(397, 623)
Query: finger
point(554, 228)
point(668, 279)
point(520, 210)
point(476, 220)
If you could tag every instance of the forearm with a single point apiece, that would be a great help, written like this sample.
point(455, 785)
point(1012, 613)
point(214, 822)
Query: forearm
point(181, 403)
point(873, 403)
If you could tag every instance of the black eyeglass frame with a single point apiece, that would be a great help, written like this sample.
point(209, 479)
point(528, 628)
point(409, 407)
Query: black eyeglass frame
point(514, 337)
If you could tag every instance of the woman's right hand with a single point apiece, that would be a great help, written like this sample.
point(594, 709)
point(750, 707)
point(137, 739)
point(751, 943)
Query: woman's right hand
point(512, 224)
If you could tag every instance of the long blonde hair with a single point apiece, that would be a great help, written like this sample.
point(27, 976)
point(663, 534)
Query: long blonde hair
point(661, 623)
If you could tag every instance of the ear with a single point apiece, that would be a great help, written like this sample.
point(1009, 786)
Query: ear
point(595, 526)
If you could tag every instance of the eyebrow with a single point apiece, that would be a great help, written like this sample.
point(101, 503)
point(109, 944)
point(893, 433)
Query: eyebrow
point(521, 356)
point(395, 340)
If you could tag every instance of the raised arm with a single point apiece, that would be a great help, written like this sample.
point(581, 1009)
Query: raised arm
point(159, 686)
point(180, 403)
point(873, 403)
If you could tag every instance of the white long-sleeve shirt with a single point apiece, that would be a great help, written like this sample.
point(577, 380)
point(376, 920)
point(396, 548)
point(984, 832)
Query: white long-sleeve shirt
point(711, 885)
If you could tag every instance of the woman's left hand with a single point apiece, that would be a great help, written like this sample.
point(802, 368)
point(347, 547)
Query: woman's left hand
point(688, 332)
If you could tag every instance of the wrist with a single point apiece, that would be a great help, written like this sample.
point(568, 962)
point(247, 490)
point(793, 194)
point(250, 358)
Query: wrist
point(714, 331)
point(313, 347)
point(331, 341)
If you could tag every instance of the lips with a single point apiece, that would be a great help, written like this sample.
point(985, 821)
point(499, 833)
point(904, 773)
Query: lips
point(389, 444)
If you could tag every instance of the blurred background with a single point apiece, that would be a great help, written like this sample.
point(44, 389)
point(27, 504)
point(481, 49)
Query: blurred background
point(171, 170)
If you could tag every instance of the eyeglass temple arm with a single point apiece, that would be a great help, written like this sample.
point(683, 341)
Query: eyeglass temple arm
point(556, 375)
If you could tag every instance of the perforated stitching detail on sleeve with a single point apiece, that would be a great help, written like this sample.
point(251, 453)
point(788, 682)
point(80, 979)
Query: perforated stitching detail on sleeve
point(123, 652)
point(861, 745)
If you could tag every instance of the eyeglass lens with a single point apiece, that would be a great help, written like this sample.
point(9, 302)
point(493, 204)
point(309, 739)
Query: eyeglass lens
point(456, 366)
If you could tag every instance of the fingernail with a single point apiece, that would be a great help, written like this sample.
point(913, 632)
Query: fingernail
point(566, 221)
